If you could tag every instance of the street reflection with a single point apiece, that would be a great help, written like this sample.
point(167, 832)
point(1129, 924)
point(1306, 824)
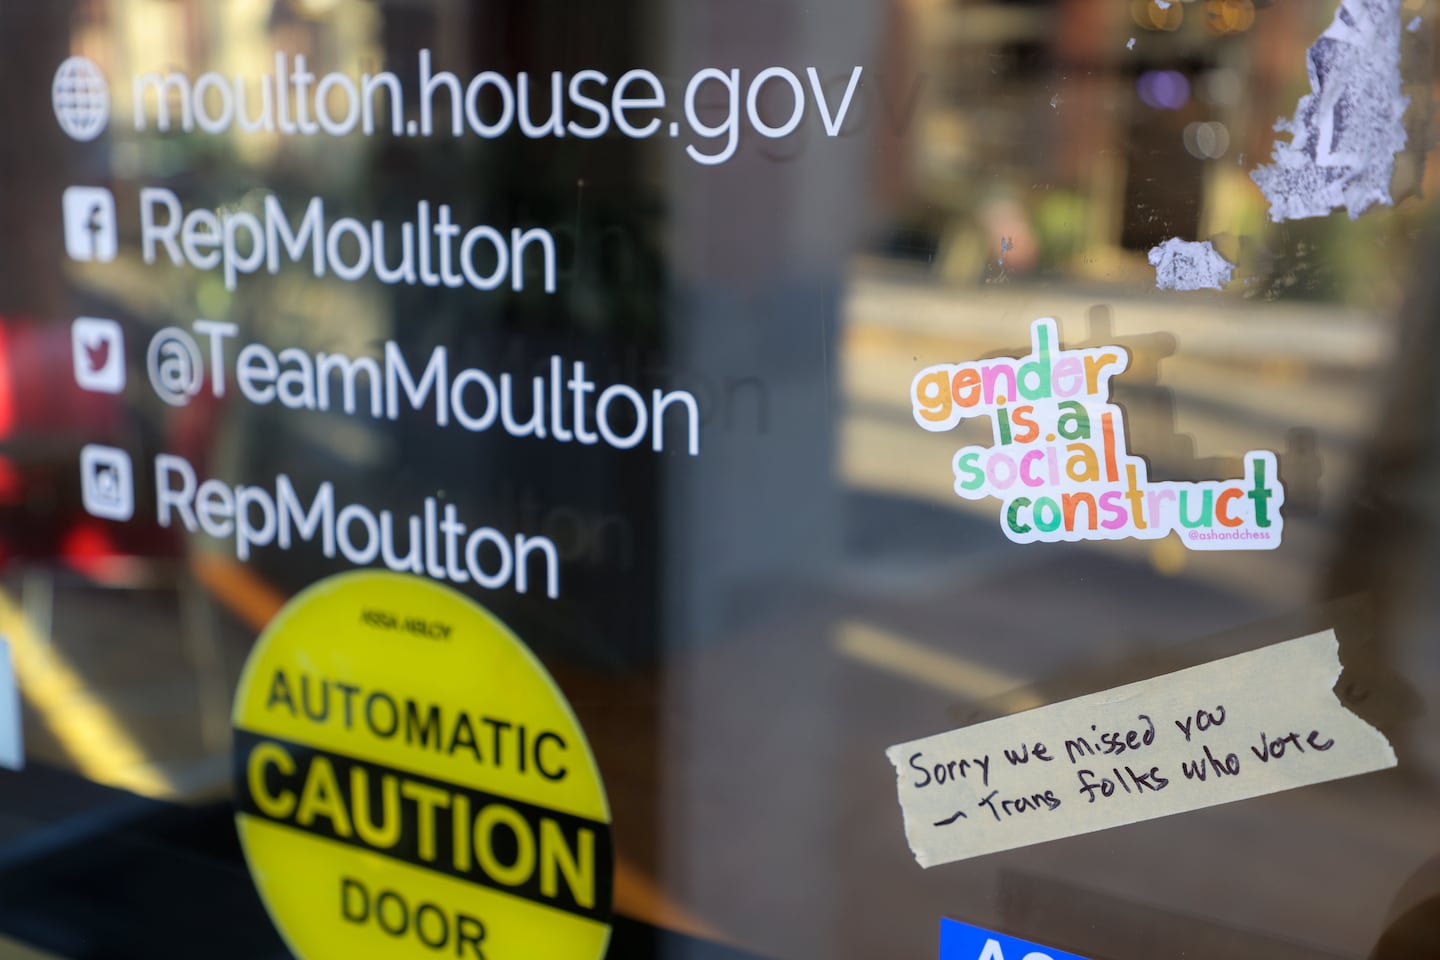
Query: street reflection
point(743, 634)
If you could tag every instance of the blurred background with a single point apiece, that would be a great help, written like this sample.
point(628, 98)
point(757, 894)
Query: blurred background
point(744, 632)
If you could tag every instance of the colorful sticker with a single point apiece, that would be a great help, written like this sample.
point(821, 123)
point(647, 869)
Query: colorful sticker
point(411, 783)
point(961, 941)
point(1059, 465)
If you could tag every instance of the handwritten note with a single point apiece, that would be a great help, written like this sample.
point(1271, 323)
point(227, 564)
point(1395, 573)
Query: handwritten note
point(1245, 726)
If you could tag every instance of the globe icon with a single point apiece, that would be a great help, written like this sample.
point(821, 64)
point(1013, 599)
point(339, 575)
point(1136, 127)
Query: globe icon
point(81, 98)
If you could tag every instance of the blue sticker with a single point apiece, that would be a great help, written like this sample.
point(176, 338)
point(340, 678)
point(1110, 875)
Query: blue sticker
point(960, 941)
point(12, 744)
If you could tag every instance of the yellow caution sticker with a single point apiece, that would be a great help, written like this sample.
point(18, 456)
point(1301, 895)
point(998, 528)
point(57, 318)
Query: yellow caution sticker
point(411, 783)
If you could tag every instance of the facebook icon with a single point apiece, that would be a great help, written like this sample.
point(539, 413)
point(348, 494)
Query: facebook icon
point(90, 224)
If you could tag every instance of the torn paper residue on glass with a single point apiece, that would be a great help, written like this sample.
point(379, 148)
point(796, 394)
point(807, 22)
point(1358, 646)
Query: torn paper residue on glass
point(1345, 134)
point(1188, 265)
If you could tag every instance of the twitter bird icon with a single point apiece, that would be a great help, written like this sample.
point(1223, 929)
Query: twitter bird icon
point(98, 349)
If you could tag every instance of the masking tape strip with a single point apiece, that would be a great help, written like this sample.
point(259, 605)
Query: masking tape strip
point(1244, 726)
